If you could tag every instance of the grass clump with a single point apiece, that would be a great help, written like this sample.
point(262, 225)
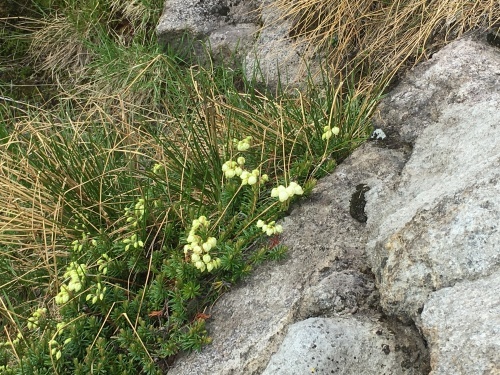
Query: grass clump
point(376, 39)
point(142, 191)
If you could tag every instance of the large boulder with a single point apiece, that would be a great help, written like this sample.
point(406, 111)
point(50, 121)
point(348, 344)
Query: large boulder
point(438, 222)
point(435, 237)
point(275, 57)
point(344, 346)
point(462, 326)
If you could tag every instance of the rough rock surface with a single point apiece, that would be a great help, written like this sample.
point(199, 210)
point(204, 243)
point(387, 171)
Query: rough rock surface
point(340, 346)
point(462, 327)
point(227, 25)
point(431, 239)
point(275, 56)
point(438, 223)
point(249, 29)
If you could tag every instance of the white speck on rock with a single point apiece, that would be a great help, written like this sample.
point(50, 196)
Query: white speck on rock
point(378, 134)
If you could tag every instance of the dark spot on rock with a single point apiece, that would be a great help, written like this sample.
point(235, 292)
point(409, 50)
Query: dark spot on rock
point(406, 350)
point(406, 364)
point(493, 38)
point(224, 11)
point(358, 203)
point(379, 332)
point(386, 349)
point(391, 139)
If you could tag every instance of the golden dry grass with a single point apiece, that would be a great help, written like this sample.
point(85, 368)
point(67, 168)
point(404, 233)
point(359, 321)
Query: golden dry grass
point(29, 211)
point(58, 46)
point(376, 38)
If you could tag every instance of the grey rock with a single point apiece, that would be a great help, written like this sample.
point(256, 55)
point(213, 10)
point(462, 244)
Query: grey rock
point(229, 40)
point(340, 346)
point(276, 58)
point(462, 327)
point(465, 71)
point(437, 223)
point(344, 292)
point(227, 25)
point(251, 31)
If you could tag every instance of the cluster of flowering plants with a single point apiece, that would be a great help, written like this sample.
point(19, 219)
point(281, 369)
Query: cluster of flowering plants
point(134, 283)
point(157, 220)
point(284, 193)
point(233, 168)
point(328, 132)
point(76, 274)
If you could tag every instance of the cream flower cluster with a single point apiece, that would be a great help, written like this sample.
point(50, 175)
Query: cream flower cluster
point(98, 295)
point(233, 168)
point(157, 168)
point(11, 342)
point(137, 213)
point(199, 249)
point(133, 241)
point(328, 131)
point(250, 178)
point(55, 347)
point(35, 317)
point(76, 274)
point(284, 193)
point(103, 263)
point(78, 244)
point(270, 228)
point(244, 144)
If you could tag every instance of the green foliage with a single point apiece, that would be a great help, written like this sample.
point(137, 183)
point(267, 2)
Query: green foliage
point(140, 194)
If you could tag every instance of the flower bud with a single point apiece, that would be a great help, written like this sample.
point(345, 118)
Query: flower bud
point(283, 196)
point(212, 241)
